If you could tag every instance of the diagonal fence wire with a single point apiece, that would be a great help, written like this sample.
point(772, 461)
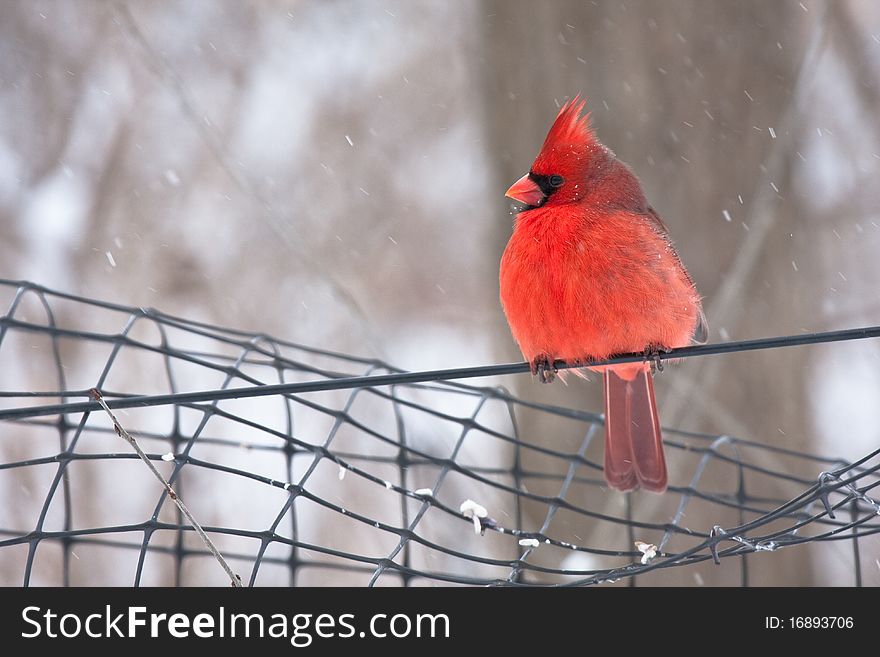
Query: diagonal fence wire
point(307, 466)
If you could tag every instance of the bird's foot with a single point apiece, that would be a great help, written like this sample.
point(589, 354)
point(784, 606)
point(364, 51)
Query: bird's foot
point(653, 354)
point(544, 368)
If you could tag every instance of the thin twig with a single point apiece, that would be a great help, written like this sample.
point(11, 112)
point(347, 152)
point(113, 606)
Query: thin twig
point(122, 433)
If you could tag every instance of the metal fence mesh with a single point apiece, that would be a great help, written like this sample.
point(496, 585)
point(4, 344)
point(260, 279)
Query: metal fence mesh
point(367, 486)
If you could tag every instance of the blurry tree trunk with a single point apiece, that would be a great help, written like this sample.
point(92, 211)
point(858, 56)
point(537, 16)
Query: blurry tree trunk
point(672, 93)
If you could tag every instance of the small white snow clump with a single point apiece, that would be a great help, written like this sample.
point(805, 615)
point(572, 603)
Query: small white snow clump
point(648, 550)
point(475, 511)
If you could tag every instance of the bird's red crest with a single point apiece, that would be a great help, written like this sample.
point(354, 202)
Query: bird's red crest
point(569, 140)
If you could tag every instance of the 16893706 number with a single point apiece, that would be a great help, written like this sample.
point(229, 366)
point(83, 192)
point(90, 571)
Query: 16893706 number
point(820, 622)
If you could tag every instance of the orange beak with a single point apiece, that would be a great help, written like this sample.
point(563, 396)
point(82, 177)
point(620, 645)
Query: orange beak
point(525, 190)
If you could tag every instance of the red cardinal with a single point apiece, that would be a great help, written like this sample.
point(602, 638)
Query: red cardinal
point(590, 272)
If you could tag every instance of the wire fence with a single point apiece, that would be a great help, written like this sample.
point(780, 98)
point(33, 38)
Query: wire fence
point(312, 467)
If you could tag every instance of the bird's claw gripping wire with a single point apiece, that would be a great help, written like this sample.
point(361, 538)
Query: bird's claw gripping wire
point(544, 368)
point(654, 355)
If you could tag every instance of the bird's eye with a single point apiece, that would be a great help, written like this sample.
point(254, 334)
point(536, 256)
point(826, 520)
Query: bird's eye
point(556, 180)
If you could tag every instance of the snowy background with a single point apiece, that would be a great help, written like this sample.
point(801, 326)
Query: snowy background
point(332, 173)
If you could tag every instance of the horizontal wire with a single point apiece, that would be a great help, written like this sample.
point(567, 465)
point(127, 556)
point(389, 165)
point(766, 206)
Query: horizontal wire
point(347, 383)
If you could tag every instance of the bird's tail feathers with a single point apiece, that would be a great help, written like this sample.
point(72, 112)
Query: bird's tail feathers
point(633, 443)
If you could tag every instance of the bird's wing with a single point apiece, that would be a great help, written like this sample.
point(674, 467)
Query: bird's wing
point(659, 226)
point(701, 330)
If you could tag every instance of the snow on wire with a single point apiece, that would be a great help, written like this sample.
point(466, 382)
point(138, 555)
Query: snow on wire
point(445, 484)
